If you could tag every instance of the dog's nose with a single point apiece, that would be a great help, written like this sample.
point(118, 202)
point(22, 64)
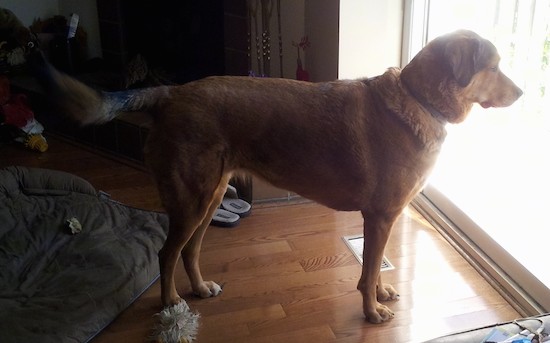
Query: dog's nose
point(519, 92)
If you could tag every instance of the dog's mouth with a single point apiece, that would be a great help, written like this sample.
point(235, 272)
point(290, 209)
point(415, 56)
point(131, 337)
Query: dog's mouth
point(486, 104)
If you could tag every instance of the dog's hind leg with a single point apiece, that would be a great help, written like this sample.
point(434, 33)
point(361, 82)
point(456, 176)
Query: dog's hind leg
point(377, 229)
point(191, 251)
point(188, 197)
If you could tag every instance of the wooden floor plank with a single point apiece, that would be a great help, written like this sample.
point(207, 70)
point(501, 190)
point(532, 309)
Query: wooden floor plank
point(287, 274)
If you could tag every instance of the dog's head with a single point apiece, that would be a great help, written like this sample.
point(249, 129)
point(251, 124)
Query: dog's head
point(455, 71)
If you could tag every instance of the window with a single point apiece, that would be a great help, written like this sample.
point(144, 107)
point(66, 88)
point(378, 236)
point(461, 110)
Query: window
point(492, 180)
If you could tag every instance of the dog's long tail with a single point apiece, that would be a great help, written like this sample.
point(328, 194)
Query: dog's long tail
point(86, 105)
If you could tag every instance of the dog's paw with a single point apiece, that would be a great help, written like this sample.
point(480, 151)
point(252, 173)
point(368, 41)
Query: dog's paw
point(381, 314)
point(208, 289)
point(386, 292)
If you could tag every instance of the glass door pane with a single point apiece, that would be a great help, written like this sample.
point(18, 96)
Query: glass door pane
point(495, 167)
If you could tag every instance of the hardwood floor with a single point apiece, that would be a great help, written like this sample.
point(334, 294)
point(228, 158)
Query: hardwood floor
point(288, 276)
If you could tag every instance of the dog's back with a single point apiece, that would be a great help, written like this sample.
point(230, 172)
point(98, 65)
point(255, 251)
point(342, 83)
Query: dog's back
point(297, 135)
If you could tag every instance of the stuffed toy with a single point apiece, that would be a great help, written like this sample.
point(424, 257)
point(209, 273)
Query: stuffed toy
point(16, 113)
point(176, 324)
point(15, 42)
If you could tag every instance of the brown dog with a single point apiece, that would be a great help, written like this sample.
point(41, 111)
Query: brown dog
point(364, 145)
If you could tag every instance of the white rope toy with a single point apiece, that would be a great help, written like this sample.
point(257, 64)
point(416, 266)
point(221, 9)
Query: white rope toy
point(177, 324)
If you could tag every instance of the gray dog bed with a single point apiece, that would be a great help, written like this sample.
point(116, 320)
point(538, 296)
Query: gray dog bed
point(60, 286)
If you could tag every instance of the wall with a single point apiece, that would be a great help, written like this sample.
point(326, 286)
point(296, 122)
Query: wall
point(370, 37)
point(321, 25)
point(28, 10)
point(349, 38)
point(318, 19)
point(87, 11)
point(292, 30)
point(292, 24)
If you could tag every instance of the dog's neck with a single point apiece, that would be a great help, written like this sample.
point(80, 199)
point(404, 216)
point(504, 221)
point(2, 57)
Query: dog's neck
point(423, 101)
point(428, 126)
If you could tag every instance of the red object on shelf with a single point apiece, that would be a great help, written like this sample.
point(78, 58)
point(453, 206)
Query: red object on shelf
point(301, 73)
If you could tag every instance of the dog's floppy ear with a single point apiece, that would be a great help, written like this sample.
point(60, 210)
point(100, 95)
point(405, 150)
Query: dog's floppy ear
point(464, 58)
point(484, 55)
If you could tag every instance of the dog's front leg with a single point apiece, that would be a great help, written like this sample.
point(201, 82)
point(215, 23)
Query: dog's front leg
point(377, 229)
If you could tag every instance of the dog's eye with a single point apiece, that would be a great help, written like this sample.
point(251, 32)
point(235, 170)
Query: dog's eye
point(493, 69)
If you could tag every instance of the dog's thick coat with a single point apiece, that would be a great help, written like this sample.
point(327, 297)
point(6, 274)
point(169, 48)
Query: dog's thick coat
point(364, 145)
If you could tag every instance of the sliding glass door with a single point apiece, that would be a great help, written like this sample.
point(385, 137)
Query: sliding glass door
point(492, 181)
